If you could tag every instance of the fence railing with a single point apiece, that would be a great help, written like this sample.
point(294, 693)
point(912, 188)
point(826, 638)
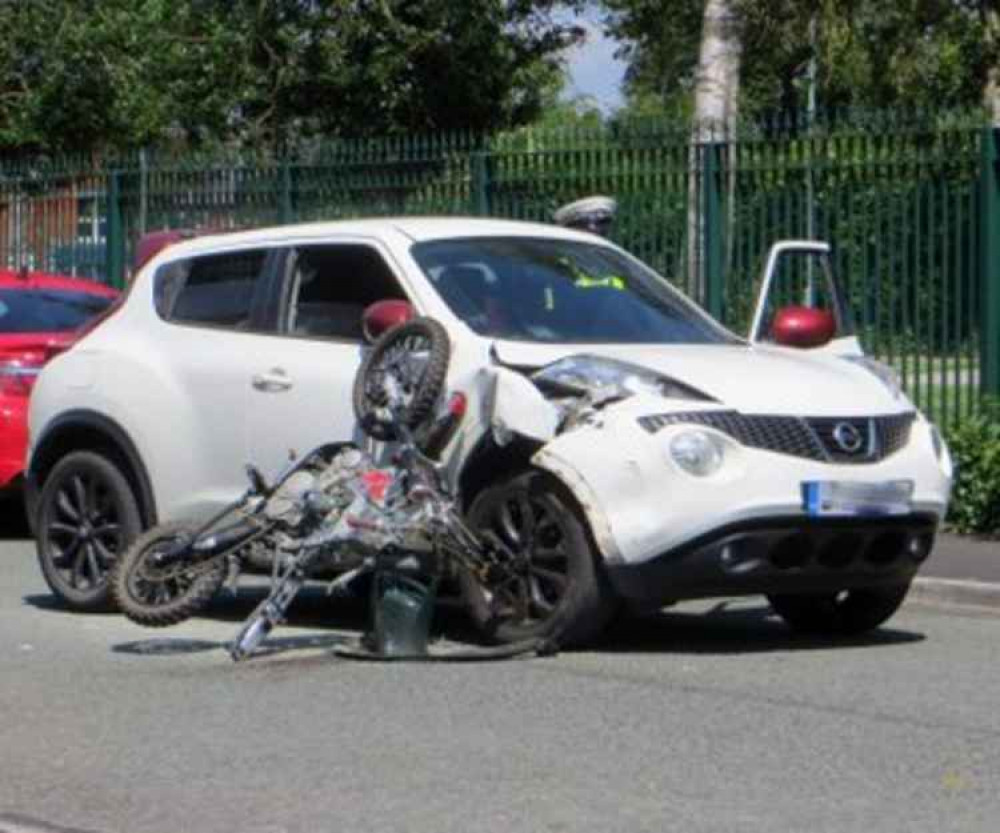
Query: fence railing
point(911, 206)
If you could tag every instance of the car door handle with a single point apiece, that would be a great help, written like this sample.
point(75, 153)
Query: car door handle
point(272, 381)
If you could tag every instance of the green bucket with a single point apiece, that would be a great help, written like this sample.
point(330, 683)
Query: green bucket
point(402, 610)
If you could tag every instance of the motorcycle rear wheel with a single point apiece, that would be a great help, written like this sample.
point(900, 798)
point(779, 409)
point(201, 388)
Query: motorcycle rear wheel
point(157, 598)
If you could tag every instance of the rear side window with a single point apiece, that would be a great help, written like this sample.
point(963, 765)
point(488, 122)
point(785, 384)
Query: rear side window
point(47, 310)
point(213, 290)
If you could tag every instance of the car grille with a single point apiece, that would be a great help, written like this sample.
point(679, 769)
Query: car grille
point(826, 439)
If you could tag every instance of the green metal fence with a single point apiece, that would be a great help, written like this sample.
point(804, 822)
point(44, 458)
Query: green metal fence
point(910, 210)
point(911, 205)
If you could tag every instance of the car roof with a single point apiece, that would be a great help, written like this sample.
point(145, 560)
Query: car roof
point(421, 229)
point(11, 279)
point(417, 229)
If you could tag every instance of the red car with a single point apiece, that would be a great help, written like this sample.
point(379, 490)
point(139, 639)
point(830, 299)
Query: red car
point(40, 316)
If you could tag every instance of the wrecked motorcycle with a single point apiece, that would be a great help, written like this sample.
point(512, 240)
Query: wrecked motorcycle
point(337, 510)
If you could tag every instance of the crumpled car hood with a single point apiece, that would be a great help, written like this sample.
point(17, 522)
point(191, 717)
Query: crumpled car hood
point(757, 379)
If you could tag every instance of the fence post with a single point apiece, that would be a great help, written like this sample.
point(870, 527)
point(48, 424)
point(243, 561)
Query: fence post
point(480, 183)
point(143, 191)
point(286, 213)
point(115, 244)
point(711, 181)
point(989, 247)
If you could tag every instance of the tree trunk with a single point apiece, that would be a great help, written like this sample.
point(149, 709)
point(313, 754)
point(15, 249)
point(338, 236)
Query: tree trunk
point(991, 87)
point(717, 85)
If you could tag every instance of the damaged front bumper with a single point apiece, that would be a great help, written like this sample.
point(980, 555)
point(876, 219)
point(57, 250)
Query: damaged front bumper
point(666, 534)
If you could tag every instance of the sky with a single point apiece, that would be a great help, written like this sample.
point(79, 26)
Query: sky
point(593, 69)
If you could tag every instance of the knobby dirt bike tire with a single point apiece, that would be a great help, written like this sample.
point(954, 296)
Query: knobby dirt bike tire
point(189, 595)
point(428, 387)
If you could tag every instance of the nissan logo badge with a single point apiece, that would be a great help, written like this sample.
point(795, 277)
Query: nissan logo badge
point(848, 437)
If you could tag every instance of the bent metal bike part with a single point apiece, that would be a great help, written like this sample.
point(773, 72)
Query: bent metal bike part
point(336, 508)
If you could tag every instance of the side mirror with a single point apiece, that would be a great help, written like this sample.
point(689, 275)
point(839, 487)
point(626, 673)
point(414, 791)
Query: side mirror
point(384, 315)
point(803, 327)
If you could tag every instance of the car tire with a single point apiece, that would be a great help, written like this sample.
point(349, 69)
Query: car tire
point(87, 516)
point(848, 613)
point(570, 599)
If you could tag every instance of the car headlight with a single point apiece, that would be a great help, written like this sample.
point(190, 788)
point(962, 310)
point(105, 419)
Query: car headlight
point(582, 374)
point(697, 452)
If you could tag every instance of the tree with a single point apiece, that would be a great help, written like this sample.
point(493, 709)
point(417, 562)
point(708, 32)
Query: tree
point(661, 51)
point(869, 53)
point(716, 93)
point(717, 74)
point(92, 74)
point(991, 42)
point(908, 54)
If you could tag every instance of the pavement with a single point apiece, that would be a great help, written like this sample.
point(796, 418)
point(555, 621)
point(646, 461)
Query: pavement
point(961, 571)
point(707, 717)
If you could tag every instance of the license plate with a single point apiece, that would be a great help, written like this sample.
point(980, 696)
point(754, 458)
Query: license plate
point(832, 498)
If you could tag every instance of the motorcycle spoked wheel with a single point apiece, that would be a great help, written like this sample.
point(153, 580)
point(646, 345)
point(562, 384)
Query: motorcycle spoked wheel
point(155, 597)
point(409, 362)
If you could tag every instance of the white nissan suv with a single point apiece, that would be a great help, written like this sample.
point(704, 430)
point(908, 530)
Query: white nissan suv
point(632, 446)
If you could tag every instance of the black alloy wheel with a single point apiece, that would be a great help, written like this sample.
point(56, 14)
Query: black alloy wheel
point(559, 591)
point(87, 517)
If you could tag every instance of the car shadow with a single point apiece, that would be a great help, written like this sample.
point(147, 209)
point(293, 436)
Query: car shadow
point(13, 520)
point(725, 627)
point(731, 627)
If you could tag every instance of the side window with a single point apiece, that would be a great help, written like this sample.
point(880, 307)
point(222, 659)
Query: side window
point(330, 286)
point(213, 290)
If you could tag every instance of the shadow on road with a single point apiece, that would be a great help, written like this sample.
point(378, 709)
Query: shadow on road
point(731, 628)
point(728, 627)
point(168, 646)
point(13, 522)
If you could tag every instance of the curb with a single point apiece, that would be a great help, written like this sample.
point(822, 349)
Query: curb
point(956, 593)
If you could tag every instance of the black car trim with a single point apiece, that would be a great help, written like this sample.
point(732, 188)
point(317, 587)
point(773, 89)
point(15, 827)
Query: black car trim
point(788, 554)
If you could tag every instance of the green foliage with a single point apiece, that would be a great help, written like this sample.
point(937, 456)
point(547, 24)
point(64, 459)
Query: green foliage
point(581, 111)
point(661, 50)
point(869, 53)
point(88, 75)
point(917, 53)
point(975, 449)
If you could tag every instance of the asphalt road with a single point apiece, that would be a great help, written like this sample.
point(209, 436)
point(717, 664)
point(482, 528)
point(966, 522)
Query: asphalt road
point(707, 718)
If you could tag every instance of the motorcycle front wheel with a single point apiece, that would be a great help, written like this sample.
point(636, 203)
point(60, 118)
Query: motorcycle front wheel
point(157, 597)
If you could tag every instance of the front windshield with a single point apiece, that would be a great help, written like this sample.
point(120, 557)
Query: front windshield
point(560, 291)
